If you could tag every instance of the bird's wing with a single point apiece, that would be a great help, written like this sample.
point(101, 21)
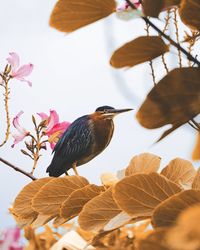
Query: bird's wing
point(75, 141)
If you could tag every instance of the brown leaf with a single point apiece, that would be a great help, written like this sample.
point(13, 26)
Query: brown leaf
point(154, 9)
point(171, 3)
point(73, 205)
point(196, 151)
point(99, 211)
point(143, 163)
point(180, 171)
point(167, 212)
point(109, 179)
point(50, 197)
point(196, 181)
point(22, 204)
point(172, 100)
point(189, 13)
point(139, 194)
point(68, 16)
point(41, 220)
point(154, 241)
point(140, 50)
point(186, 233)
point(58, 221)
point(21, 221)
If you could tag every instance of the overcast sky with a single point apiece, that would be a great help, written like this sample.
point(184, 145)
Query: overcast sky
point(72, 75)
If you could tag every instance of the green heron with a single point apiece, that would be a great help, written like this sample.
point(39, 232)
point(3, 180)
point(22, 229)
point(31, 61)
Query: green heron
point(84, 139)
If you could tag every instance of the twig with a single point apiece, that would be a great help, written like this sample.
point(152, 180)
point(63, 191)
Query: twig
point(151, 62)
point(18, 169)
point(177, 35)
point(172, 42)
point(164, 30)
point(6, 98)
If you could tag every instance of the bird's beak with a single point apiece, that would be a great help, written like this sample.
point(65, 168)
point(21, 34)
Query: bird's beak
point(119, 111)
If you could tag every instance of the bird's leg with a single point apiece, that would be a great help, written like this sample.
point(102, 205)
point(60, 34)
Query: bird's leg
point(74, 168)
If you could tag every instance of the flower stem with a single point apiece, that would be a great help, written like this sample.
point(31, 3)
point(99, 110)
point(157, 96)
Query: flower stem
point(6, 98)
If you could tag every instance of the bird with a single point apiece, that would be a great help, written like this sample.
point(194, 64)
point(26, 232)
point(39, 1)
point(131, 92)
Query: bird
point(83, 140)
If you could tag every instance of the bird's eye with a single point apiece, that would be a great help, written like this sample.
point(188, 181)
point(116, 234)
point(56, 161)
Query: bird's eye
point(105, 111)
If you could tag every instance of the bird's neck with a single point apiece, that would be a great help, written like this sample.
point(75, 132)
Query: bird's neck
point(103, 132)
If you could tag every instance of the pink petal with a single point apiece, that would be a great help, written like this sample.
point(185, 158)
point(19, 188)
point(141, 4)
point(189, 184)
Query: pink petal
point(16, 120)
point(22, 131)
point(18, 138)
point(43, 116)
point(1, 80)
point(53, 120)
point(23, 80)
point(10, 240)
point(13, 60)
point(58, 127)
point(24, 70)
point(52, 145)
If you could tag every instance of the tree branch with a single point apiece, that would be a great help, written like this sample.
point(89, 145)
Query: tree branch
point(18, 169)
point(172, 42)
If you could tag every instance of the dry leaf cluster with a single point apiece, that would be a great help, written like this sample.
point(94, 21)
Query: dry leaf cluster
point(175, 98)
point(104, 211)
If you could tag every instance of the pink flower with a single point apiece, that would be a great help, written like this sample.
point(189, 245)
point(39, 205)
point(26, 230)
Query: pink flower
point(10, 239)
point(125, 6)
point(125, 12)
point(53, 129)
point(19, 72)
point(22, 131)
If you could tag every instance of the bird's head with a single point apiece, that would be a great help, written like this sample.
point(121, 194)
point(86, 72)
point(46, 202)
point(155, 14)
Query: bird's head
point(107, 112)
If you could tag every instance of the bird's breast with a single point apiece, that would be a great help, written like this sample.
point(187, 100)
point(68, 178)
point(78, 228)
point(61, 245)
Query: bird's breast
point(103, 132)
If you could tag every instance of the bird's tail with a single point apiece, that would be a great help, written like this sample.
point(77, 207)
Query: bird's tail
point(57, 167)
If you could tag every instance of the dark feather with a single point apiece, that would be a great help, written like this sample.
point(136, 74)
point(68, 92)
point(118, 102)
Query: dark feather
point(72, 146)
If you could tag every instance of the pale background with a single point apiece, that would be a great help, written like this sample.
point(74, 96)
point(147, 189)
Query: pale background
point(72, 75)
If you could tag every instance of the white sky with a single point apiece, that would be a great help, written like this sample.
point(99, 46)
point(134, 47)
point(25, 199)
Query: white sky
point(72, 75)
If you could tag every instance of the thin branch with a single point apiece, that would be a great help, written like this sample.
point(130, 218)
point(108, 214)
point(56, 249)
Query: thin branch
point(167, 19)
point(6, 98)
point(151, 62)
point(172, 42)
point(177, 35)
point(18, 169)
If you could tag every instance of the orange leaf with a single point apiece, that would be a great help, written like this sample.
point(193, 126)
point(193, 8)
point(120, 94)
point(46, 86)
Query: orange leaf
point(167, 212)
point(180, 171)
point(22, 204)
point(196, 181)
point(154, 9)
point(99, 211)
point(172, 100)
point(140, 50)
point(139, 194)
point(189, 13)
point(73, 205)
point(196, 151)
point(68, 16)
point(186, 233)
point(143, 163)
point(50, 197)
point(154, 241)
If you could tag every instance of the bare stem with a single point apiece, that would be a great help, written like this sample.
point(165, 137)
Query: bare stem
point(167, 18)
point(6, 98)
point(36, 154)
point(151, 62)
point(177, 35)
point(172, 42)
point(18, 169)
